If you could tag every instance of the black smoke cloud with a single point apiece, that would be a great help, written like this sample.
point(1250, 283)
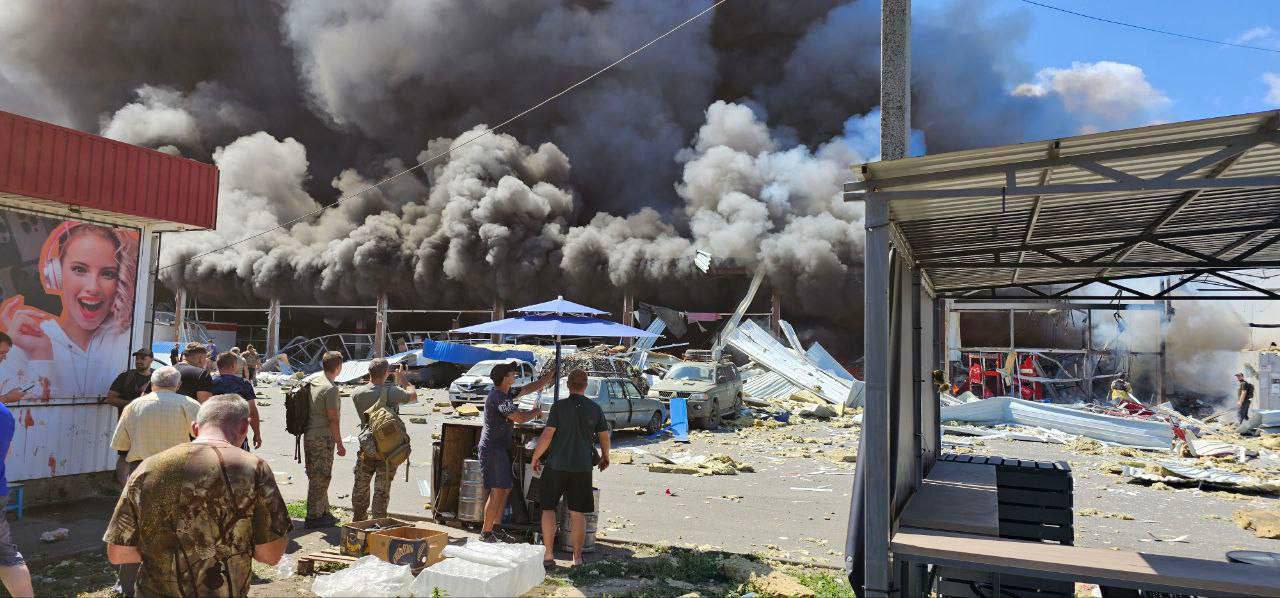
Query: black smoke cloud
point(732, 136)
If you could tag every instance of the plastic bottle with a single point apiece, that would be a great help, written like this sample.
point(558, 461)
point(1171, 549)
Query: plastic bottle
point(287, 566)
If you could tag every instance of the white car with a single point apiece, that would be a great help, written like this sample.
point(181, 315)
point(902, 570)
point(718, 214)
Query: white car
point(474, 386)
point(618, 398)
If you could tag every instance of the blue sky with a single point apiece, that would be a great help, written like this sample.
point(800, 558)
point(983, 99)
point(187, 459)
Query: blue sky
point(1200, 80)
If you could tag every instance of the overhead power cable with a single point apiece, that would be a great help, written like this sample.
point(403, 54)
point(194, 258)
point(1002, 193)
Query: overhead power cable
point(1150, 29)
point(469, 141)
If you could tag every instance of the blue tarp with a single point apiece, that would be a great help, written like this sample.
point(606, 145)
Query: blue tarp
point(466, 354)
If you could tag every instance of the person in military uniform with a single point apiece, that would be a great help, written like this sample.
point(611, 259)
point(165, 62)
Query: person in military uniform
point(369, 468)
point(322, 438)
point(197, 515)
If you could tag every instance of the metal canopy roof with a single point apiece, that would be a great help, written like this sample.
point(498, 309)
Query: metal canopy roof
point(1197, 197)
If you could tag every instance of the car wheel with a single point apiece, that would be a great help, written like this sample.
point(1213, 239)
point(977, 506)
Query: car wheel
point(655, 424)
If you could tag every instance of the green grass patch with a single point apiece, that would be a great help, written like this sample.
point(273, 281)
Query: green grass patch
point(297, 509)
point(825, 585)
point(599, 570)
point(688, 565)
point(86, 574)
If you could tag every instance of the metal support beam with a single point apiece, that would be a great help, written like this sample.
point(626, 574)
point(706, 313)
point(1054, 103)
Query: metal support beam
point(148, 306)
point(1120, 241)
point(499, 312)
point(180, 315)
point(1216, 263)
point(628, 308)
point(1253, 182)
point(917, 375)
point(875, 426)
point(775, 313)
point(1246, 140)
point(380, 327)
point(1161, 396)
point(273, 329)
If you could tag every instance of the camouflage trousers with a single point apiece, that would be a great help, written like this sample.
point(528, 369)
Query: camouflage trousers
point(318, 450)
point(370, 470)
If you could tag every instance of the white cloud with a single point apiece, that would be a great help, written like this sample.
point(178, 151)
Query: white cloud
point(1102, 95)
point(1273, 88)
point(1262, 36)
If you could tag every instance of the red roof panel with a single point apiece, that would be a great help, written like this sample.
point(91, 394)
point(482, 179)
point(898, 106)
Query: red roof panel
point(53, 163)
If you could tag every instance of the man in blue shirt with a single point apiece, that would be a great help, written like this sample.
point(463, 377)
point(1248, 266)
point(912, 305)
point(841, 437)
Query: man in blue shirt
point(228, 383)
point(500, 411)
point(13, 568)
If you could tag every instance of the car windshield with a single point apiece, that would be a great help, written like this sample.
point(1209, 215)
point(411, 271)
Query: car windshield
point(689, 372)
point(481, 369)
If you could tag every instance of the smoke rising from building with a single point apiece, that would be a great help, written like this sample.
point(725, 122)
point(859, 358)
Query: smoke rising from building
point(733, 136)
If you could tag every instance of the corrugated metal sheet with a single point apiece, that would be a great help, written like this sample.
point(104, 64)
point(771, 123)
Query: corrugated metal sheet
point(756, 343)
point(41, 163)
point(1008, 410)
point(768, 386)
point(56, 440)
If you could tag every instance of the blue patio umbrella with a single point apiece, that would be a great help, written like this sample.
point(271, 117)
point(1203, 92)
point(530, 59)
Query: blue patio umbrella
point(558, 318)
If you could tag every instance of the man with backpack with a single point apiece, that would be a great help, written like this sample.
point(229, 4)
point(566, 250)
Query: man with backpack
point(372, 465)
point(321, 436)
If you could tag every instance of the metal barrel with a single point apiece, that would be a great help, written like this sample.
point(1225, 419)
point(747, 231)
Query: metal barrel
point(471, 492)
point(564, 537)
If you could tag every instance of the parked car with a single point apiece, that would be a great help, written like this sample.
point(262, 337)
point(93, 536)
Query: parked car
point(711, 390)
point(474, 386)
point(619, 398)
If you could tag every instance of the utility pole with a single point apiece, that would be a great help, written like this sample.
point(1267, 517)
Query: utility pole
point(895, 127)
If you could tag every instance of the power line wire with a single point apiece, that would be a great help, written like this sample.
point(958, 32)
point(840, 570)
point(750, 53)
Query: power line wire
point(1150, 29)
point(485, 133)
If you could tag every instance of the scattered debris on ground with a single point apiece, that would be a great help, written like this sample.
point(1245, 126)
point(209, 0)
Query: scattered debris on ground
point(1265, 524)
point(56, 535)
point(1104, 514)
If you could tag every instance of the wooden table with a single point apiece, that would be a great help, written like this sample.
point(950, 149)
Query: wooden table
point(1072, 563)
point(956, 497)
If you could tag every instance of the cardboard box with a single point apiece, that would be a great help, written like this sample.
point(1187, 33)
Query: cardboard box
point(413, 546)
point(355, 536)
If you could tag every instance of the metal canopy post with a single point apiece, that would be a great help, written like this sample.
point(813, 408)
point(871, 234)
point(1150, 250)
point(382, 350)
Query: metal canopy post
point(875, 426)
point(273, 329)
point(380, 327)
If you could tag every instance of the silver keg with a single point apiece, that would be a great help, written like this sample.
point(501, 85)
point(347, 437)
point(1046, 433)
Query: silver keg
point(564, 537)
point(471, 492)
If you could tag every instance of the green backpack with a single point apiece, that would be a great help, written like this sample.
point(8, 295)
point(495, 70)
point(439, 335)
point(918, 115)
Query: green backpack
point(385, 438)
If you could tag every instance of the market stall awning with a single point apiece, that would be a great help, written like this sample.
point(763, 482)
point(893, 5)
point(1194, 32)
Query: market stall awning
point(1196, 197)
point(64, 172)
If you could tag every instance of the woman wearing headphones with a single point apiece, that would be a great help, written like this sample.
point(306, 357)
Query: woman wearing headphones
point(93, 269)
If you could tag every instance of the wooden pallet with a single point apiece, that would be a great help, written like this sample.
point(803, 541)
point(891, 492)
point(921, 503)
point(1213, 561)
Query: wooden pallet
point(307, 564)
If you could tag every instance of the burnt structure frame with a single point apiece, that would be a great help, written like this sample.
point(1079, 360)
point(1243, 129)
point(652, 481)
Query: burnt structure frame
point(1204, 191)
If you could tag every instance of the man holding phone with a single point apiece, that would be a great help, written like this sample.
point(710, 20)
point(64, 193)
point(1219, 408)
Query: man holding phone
point(12, 386)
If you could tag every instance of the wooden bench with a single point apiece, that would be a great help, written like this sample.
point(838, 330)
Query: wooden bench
point(1108, 568)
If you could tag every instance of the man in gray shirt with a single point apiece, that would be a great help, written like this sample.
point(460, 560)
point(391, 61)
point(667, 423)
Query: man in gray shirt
point(369, 468)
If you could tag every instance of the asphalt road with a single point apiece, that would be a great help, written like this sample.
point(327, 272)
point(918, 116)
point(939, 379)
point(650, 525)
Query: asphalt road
point(796, 503)
point(770, 517)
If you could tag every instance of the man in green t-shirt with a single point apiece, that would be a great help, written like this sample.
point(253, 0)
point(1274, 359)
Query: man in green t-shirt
point(568, 441)
point(369, 468)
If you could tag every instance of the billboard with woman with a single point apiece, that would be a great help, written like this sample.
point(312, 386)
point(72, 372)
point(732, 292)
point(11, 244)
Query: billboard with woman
point(68, 292)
